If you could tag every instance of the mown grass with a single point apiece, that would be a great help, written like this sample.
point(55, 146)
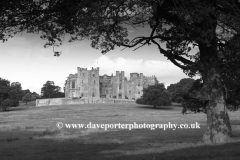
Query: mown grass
point(29, 132)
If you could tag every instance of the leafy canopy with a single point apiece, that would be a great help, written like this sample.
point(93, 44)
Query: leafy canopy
point(182, 30)
point(26, 98)
point(181, 24)
point(180, 89)
point(10, 91)
point(49, 90)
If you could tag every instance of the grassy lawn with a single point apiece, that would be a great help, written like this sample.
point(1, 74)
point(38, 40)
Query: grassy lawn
point(29, 132)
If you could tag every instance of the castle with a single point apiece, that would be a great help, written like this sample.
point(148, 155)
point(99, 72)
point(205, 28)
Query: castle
point(89, 84)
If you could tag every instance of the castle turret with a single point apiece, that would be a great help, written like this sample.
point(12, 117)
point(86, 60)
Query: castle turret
point(117, 84)
point(141, 79)
point(94, 83)
point(122, 84)
point(66, 88)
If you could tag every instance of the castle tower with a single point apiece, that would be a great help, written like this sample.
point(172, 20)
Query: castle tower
point(83, 82)
point(121, 85)
point(135, 85)
point(93, 80)
point(117, 84)
point(66, 88)
point(88, 81)
point(141, 79)
point(71, 86)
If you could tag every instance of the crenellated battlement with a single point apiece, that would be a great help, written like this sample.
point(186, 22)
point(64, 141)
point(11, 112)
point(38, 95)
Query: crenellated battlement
point(95, 69)
point(85, 71)
point(72, 75)
point(134, 75)
point(149, 77)
point(81, 69)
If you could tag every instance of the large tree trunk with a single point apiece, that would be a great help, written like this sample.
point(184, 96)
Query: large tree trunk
point(218, 123)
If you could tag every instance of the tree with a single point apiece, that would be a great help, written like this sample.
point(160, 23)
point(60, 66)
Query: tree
point(159, 86)
point(231, 86)
point(180, 89)
point(192, 101)
point(25, 91)
point(155, 95)
point(158, 98)
point(4, 89)
point(8, 91)
point(34, 96)
point(18, 88)
point(26, 98)
point(189, 33)
point(60, 95)
point(13, 95)
point(49, 90)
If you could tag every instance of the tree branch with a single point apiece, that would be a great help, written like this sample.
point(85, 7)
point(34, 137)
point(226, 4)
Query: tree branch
point(173, 58)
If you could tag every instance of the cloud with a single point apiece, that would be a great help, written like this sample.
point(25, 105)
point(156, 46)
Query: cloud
point(165, 72)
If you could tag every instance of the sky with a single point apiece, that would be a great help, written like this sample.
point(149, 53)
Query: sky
point(24, 59)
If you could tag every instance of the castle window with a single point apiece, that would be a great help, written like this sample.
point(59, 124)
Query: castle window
point(93, 75)
point(93, 95)
point(138, 92)
point(120, 86)
point(83, 74)
point(138, 84)
point(120, 96)
point(81, 94)
point(73, 84)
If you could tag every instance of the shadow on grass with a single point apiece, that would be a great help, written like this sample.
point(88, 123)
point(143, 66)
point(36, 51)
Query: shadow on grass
point(235, 122)
point(116, 145)
point(177, 104)
point(228, 151)
point(157, 107)
point(75, 150)
point(21, 108)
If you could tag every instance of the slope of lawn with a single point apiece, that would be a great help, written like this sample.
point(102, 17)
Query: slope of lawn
point(29, 132)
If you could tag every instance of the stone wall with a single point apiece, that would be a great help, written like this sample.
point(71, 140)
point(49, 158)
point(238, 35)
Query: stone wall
point(69, 101)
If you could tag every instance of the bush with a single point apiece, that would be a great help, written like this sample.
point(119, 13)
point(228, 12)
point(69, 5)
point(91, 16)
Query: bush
point(164, 99)
point(140, 101)
point(155, 97)
point(6, 104)
point(15, 103)
point(158, 98)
